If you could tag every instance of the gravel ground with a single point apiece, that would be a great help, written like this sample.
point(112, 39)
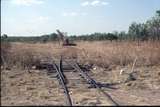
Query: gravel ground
point(19, 87)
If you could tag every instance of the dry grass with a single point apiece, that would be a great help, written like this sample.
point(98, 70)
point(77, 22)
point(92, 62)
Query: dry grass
point(121, 53)
point(21, 88)
point(5, 53)
point(104, 53)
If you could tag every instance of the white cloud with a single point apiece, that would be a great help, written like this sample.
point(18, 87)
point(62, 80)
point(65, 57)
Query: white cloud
point(94, 3)
point(43, 18)
point(83, 14)
point(26, 2)
point(69, 14)
point(104, 3)
point(65, 14)
point(40, 19)
point(85, 3)
point(74, 14)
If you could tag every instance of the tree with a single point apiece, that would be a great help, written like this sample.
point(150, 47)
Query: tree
point(44, 38)
point(122, 35)
point(158, 13)
point(154, 26)
point(4, 37)
point(53, 37)
point(133, 31)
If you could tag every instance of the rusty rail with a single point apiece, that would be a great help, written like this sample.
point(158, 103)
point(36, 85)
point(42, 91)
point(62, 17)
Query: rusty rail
point(92, 82)
point(85, 75)
point(62, 81)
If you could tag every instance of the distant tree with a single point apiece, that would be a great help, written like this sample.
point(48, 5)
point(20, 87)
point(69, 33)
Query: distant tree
point(44, 38)
point(133, 29)
point(154, 26)
point(112, 36)
point(53, 37)
point(158, 13)
point(4, 37)
point(122, 35)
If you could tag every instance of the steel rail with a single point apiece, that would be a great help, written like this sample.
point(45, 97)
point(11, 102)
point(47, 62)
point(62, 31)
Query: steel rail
point(62, 81)
point(69, 101)
point(92, 82)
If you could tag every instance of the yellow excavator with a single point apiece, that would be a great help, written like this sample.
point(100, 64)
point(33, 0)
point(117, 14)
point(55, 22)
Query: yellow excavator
point(64, 39)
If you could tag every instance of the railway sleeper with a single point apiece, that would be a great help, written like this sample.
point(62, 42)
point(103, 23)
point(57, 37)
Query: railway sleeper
point(92, 82)
point(92, 86)
point(60, 80)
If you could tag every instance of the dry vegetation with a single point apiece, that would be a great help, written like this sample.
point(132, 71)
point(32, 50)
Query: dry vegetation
point(106, 60)
point(122, 53)
point(105, 54)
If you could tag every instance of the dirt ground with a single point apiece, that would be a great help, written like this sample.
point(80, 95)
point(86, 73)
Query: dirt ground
point(142, 87)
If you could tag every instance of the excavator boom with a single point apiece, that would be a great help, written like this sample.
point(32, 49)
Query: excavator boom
point(64, 39)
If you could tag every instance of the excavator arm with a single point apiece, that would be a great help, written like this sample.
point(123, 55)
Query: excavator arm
point(64, 40)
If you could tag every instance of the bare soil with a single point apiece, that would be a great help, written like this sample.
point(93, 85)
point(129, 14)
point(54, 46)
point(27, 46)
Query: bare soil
point(19, 87)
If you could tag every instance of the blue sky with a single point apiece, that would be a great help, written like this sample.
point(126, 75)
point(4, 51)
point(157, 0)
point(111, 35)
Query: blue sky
point(37, 17)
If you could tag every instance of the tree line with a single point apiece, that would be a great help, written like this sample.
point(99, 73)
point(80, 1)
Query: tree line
point(150, 30)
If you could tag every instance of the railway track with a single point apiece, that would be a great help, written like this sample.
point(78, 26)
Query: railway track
point(59, 70)
point(61, 78)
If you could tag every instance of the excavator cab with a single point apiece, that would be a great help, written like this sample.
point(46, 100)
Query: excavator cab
point(64, 39)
